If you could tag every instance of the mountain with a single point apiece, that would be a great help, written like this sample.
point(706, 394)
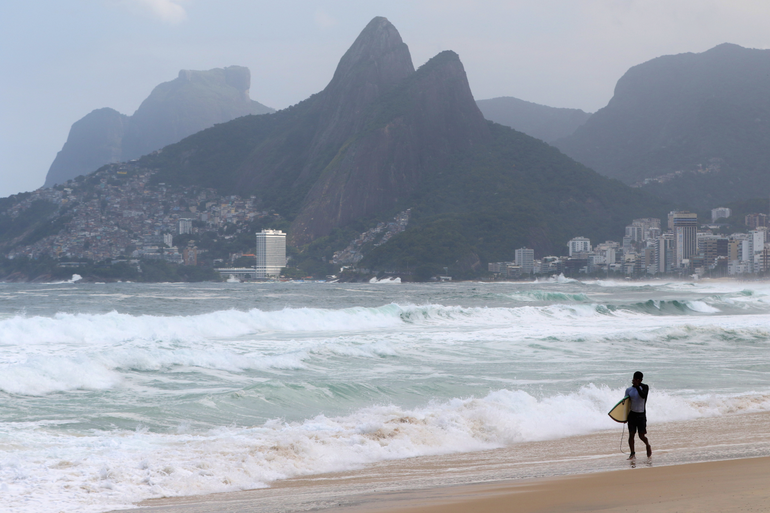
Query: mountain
point(545, 123)
point(195, 100)
point(690, 127)
point(383, 137)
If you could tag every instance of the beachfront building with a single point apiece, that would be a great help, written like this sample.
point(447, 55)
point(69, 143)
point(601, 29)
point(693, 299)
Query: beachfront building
point(525, 258)
point(271, 253)
point(713, 247)
point(579, 245)
point(664, 253)
point(685, 236)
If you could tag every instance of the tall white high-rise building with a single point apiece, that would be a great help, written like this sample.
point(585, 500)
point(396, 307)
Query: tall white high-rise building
point(525, 258)
point(271, 253)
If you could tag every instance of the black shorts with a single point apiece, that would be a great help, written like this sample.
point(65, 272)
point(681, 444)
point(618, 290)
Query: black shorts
point(637, 422)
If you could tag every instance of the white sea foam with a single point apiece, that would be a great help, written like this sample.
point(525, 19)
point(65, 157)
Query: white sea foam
point(365, 367)
point(113, 327)
point(75, 278)
point(386, 281)
point(105, 329)
point(111, 469)
point(700, 306)
point(556, 279)
point(43, 355)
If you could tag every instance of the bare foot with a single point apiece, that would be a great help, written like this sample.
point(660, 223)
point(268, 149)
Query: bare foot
point(649, 451)
point(632, 456)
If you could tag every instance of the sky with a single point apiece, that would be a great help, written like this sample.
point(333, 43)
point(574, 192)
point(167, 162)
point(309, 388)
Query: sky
point(59, 60)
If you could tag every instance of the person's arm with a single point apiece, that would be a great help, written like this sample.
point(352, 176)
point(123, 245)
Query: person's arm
point(643, 391)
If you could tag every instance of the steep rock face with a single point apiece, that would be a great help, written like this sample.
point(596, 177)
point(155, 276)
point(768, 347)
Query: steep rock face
point(352, 150)
point(317, 127)
point(377, 61)
point(540, 121)
point(685, 112)
point(93, 141)
point(381, 138)
point(413, 130)
point(195, 100)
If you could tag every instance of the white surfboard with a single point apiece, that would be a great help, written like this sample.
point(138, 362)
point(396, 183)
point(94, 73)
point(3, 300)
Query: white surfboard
point(619, 412)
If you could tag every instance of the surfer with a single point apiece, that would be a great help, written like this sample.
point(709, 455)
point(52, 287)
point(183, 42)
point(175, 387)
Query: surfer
point(637, 417)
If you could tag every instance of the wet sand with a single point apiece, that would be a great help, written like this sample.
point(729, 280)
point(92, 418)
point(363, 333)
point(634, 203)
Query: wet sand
point(725, 486)
point(717, 464)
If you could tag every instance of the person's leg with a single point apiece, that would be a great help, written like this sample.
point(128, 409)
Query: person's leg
point(631, 434)
point(642, 428)
point(643, 438)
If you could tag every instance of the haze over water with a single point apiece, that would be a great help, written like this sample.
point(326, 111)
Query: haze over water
point(114, 393)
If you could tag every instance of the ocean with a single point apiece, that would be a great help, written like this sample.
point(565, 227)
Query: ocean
point(115, 393)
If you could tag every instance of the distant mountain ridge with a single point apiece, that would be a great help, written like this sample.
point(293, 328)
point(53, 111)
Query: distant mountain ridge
point(195, 100)
point(692, 127)
point(540, 121)
point(383, 137)
point(352, 150)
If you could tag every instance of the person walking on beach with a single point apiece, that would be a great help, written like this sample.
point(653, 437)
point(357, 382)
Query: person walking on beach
point(637, 417)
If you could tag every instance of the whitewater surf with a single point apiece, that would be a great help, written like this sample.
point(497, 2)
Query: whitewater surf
point(115, 393)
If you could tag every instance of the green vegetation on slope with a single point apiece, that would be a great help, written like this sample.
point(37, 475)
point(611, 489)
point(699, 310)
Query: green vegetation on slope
point(31, 220)
point(515, 191)
point(214, 157)
point(705, 116)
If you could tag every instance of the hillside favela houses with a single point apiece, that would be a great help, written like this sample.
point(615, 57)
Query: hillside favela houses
point(119, 215)
point(682, 247)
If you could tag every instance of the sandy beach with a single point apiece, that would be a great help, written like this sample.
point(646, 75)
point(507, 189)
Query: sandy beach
point(713, 464)
point(735, 485)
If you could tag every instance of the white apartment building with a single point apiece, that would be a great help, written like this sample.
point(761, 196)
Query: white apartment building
point(579, 245)
point(525, 258)
point(606, 253)
point(271, 253)
point(736, 267)
point(185, 226)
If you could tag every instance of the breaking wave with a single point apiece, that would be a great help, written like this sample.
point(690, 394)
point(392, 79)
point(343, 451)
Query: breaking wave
point(114, 469)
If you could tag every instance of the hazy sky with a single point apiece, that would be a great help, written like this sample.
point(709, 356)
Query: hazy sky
point(60, 59)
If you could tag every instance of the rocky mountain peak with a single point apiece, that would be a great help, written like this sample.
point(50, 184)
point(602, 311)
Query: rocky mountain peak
point(378, 57)
point(377, 62)
point(193, 101)
point(412, 131)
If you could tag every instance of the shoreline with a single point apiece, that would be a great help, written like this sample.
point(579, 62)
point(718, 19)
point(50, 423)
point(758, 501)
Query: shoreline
point(48, 279)
point(485, 480)
point(719, 486)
